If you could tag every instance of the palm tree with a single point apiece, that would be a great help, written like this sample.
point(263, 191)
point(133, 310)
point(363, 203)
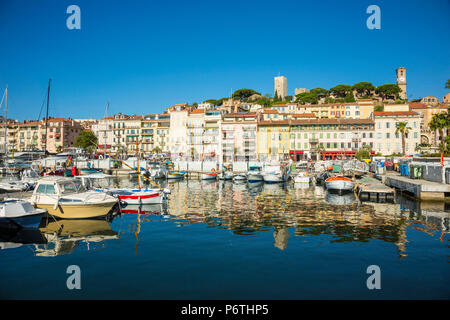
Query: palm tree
point(440, 121)
point(403, 128)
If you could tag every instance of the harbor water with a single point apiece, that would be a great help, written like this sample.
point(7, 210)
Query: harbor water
point(225, 240)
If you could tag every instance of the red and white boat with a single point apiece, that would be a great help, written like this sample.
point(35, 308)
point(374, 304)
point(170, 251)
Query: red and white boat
point(136, 196)
point(208, 175)
point(339, 184)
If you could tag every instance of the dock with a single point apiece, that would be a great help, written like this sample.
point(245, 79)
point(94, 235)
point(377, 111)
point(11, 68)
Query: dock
point(419, 188)
point(373, 190)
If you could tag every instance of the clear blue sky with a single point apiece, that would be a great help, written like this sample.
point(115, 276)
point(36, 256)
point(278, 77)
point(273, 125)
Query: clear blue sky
point(145, 55)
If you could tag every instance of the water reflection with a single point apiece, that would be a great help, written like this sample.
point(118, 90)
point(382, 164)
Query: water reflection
point(64, 236)
point(286, 210)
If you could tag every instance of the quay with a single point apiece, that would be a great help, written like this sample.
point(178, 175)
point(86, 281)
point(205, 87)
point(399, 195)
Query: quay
point(371, 189)
point(419, 188)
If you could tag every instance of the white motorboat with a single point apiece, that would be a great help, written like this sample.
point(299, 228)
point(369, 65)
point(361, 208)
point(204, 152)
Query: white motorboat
point(339, 184)
point(20, 213)
point(239, 177)
point(15, 186)
point(302, 177)
point(254, 174)
point(68, 198)
point(157, 171)
point(275, 173)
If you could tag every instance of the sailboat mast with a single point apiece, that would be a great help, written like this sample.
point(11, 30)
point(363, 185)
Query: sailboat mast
point(6, 120)
point(46, 115)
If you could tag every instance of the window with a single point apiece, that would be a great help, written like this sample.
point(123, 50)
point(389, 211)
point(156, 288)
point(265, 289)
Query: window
point(46, 189)
point(388, 135)
point(388, 124)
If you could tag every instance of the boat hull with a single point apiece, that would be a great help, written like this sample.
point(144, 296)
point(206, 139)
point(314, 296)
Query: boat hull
point(304, 179)
point(152, 198)
point(79, 211)
point(29, 221)
point(255, 178)
point(208, 176)
point(339, 185)
point(273, 178)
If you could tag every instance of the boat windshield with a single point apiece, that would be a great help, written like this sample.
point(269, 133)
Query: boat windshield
point(71, 187)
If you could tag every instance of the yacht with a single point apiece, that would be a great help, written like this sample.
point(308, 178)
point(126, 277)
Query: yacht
point(68, 198)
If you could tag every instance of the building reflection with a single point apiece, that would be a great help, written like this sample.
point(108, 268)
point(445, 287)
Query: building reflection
point(308, 211)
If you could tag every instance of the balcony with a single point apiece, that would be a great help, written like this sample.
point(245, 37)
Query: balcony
point(313, 141)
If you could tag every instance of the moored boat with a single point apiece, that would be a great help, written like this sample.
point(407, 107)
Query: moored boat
point(239, 177)
point(302, 177)
point(67, 198)
point(339, 184)
point(254, 174)
point(208, 175)
point(275, 173)
point(20, 213)
point(175, 174)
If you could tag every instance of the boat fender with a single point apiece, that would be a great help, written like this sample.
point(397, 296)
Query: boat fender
point(166, 191)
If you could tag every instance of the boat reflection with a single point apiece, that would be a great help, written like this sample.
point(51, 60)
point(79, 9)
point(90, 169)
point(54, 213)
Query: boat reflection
point(340, 200)
point(14, 238)
point(64, 236)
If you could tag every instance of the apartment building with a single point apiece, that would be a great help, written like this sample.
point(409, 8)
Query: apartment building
point(387, 141)
point(132, 133)
point(238, 136)
point(155, 133)
point(103, 130)
point(178, 135)
point(61, 134)
point(28, 136)
point(118, 133)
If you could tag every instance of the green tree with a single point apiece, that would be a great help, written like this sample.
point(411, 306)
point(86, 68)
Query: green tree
point(340, 90)
point(243, 94)
point(86, 141)
point(403, 128)
point(363, 88)
point(306, 98)
point(288, 98)
point(447, 85)
point(157, 150)
point(378, 108)
point(388, 91)
point(320, 92)
point(364, 152)
point(349, 97)
point(440, 122)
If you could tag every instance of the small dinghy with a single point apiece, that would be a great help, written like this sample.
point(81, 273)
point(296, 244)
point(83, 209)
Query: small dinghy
point(339, 184)
point(208, 175)
point(225, 175)
point(20, 213)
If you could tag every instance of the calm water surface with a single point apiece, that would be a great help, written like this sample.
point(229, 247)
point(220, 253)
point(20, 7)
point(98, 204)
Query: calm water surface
point(224, 240)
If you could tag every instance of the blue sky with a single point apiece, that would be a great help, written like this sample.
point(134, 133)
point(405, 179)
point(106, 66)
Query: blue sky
point(142, 56)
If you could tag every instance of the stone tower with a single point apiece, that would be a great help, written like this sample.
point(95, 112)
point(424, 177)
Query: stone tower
point(280, 87)
point(401, 81)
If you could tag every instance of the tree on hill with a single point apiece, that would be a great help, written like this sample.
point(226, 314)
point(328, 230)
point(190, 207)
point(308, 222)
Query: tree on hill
point(388, 91)
point(349, 97)
point(306, 98)
point(447, 85)
point(243, 94)
point(378, 108)
point(363, 88)
point(86, 141)
point(340, 90)
point(320, 92)
point(264, 101)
